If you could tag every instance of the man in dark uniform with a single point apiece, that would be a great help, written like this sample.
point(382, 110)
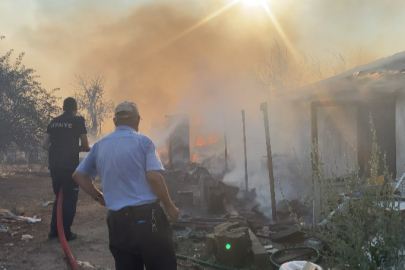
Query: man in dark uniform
point(61, 140)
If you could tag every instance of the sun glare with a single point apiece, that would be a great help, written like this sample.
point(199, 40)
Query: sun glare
point(253, 2)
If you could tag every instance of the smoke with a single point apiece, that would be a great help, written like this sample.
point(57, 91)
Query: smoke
point(162, 56)
point(198, 72)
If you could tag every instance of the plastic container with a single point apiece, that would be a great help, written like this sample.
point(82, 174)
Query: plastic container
point(299, 265)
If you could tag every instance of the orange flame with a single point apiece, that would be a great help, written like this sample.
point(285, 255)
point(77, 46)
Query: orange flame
point(201, 141)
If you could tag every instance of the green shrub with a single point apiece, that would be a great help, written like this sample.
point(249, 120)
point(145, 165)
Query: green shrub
point(363, 226)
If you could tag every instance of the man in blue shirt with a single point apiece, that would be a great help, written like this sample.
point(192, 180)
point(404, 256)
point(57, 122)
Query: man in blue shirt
point(139, 231)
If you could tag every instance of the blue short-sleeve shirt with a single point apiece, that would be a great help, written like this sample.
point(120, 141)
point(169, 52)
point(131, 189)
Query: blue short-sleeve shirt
point(122, 159)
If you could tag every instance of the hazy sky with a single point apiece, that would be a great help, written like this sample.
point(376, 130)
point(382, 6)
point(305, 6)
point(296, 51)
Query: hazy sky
point(128, 41)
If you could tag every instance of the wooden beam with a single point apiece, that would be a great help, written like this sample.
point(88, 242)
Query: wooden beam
point(245, 150)
point(264, 108)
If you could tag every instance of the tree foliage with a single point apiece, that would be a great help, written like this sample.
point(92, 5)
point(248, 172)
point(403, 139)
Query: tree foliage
point(25, 107)
point(92, 103)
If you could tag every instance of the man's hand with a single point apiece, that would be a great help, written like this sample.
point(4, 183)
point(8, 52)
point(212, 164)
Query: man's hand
point(84, 143)
point(173, 212)
point(157, 183)
point(46, 141)
point(85, 182)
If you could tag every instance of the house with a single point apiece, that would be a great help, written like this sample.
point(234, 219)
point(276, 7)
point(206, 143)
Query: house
point(336, 115)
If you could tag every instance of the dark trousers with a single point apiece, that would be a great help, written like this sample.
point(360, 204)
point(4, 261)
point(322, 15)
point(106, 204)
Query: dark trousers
point(134, 245)
point(62, 178)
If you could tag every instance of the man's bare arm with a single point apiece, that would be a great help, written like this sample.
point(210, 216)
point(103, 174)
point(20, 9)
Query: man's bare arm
point(46, 142)
point(85, 183)
point(84, 143)
point(159, 187)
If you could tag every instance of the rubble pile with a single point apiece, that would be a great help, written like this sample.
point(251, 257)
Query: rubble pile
point(218, 226)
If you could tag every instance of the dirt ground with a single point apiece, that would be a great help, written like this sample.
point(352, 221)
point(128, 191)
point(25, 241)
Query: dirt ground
point(25, 193)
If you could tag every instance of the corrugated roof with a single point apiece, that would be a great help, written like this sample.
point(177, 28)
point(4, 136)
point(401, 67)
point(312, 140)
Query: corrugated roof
point(384, 75)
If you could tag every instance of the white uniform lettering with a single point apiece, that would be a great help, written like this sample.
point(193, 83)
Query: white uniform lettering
point(62, 125)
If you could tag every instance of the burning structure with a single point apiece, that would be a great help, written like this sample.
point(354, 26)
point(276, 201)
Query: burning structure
point(335, 115)
point(337, 111)
point(179, 141)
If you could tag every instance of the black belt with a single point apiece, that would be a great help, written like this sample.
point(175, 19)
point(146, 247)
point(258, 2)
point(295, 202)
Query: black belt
point(143, 205)
point(136, 207)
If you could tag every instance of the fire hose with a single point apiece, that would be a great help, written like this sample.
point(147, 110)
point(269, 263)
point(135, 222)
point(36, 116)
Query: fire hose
point(61, 233)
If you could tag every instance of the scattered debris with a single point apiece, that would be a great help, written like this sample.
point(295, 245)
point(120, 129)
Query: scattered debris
point(9, 244)
point(284, 233)
point(230, 191)
point(216, 164)
point(87, 265)
point(256, 209)
point(286, 208)
point(197, 235)
point(267, 247)
point(6, 214)
point(5, 175)
point(26, 237)
point(250, 194)
point(47, 203)
point(232, 214)
point(3, 229)
point(195, 173)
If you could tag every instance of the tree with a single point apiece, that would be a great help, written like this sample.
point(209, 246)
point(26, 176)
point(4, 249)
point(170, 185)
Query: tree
point(92, 103)
point(25, 107)
point(337, 63)
point(279, 70)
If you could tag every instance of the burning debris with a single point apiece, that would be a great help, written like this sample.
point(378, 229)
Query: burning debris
point(179, 141)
